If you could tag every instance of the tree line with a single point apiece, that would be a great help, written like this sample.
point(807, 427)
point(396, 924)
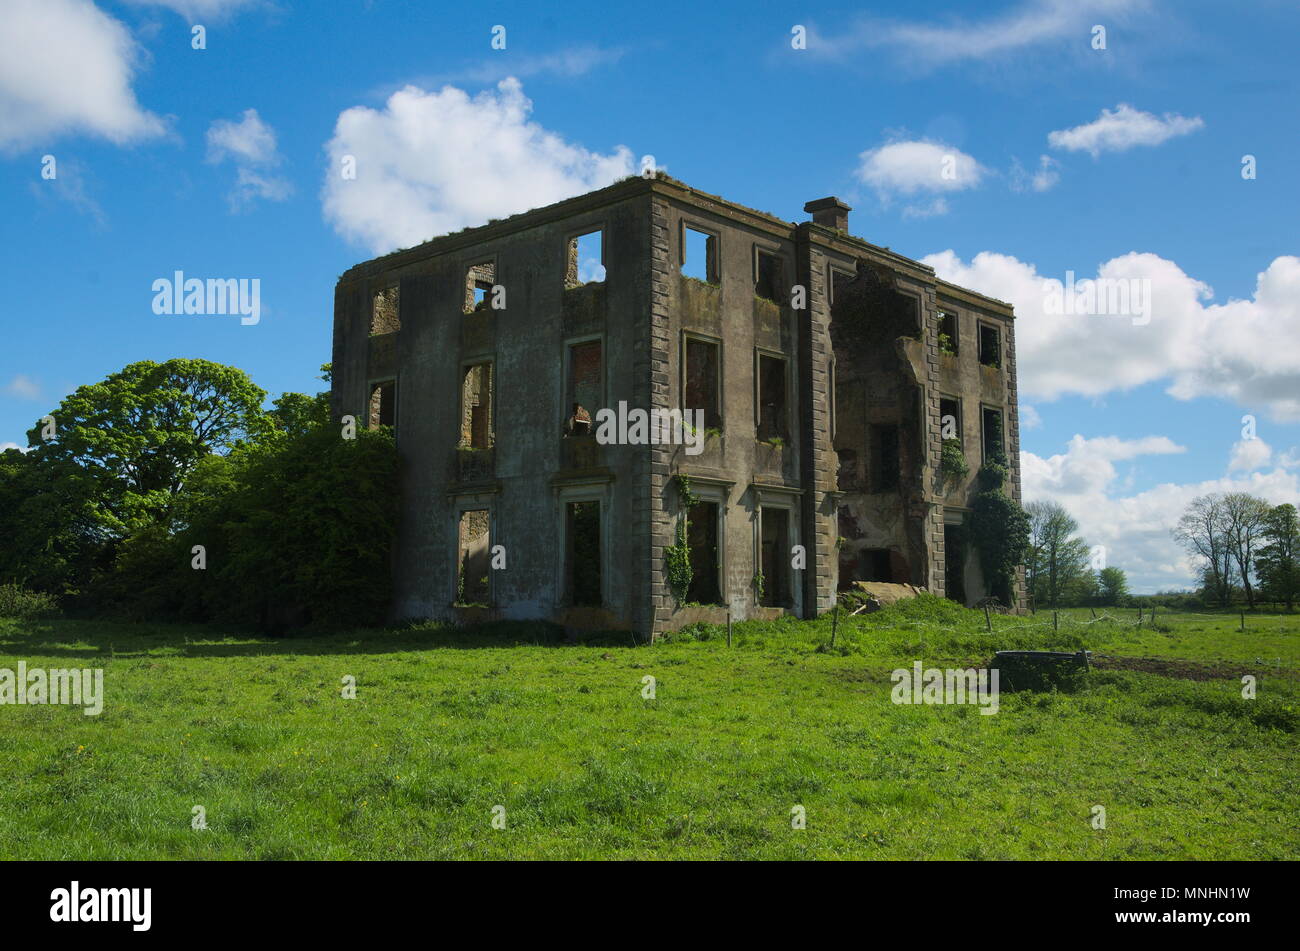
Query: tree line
point(1060, 570)
point(169, 491)
point(1247, 550)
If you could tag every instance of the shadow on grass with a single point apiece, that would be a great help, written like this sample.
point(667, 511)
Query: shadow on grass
point(99, 639)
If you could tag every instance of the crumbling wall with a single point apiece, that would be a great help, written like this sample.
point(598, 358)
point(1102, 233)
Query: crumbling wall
point(385, 311)
point(879, 372)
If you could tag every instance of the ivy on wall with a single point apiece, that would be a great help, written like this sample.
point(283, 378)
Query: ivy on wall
point(999, 530)
point(678, 556)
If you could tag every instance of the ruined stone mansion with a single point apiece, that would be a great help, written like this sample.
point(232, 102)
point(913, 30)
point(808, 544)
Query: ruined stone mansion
point(828, 372)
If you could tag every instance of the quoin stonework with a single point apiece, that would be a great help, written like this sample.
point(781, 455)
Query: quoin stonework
point(827, 370)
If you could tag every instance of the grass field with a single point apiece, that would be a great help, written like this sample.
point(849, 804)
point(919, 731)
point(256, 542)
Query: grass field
point(448, 724)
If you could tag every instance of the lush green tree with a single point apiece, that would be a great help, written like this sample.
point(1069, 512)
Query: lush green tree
point(1113, 585)
point(1278, 560)
point(1082, 589)
point(294, 529)
point(138, 434)
point(50, 538)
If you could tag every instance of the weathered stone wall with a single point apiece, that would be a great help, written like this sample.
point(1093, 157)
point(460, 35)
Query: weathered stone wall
point(419, 300)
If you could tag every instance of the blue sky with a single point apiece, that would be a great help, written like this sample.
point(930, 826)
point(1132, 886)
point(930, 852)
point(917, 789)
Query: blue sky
point(225, 162)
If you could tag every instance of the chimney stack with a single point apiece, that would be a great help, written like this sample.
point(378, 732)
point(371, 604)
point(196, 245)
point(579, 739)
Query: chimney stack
point(829, 213)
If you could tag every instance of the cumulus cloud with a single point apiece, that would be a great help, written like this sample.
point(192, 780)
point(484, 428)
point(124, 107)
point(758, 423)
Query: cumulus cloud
point(66, 66)
point(1249, 455)
point(1029, 417)
point(23, 387)
point(12, 445)
point(429, 163)
point(1135, 529)
point(250, 145)
point(915, 168)
point(1123, 129)
point(1247, 351)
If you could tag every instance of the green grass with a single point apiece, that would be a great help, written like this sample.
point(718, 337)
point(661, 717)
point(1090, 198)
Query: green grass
point(448, 724)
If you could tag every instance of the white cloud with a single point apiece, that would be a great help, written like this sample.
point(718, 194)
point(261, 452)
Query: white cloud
point(1122, 129)
point(66, 66)
point(1247, 351)
point(1029, 417)
point(1249, 455)
point(918, 168)
point(197, 10)
point(1135, 529)
point(23, 387)
point(1033, 23)
point(430, 163)
point(249, 140)
point(13, 445)
point(250, 144)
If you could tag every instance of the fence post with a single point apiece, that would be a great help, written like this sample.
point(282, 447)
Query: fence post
point(728, 628)
point(988, 621)
point(1054, 626)
point(835, 621)
point(1243, 620)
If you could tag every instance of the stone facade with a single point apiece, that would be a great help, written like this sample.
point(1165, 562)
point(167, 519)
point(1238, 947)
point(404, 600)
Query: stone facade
point(815, 355)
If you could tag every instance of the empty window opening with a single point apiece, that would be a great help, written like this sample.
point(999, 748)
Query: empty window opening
point(586, 386)
point(475, 551)
point(699, 255)
point(702, 537)
point(701, 391)
point(950, 420)
point(877, 564)
point(479, 281)
point(772, 412)
point(947, 332)
point(771, 279)
point(884, 458)
point(993, 448)
point(384, 316)
point(990, 346)
point(582, 527)
point(476, 407)
point(586, 264)
point(774, 557)
point(954, 563)
point(383, 404)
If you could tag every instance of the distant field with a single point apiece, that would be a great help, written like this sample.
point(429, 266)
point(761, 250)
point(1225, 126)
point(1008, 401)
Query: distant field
point(448, 724)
